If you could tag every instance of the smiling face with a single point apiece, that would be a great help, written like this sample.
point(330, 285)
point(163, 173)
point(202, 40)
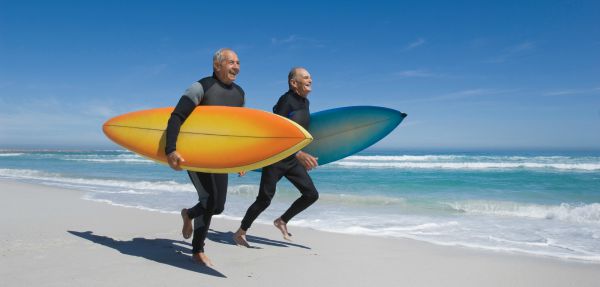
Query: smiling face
point(227, 69)
point(301, 83)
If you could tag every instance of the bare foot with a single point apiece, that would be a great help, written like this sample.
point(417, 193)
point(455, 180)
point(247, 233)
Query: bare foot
point(201, 258)
point(240, 238)
point(187, 229)
point(282, 226)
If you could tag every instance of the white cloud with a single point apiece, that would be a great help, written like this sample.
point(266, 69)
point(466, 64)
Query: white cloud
point(101, 111)
point(573, 92)
point(415, 74)
point(512, 52)
point(525, 46)
point(290, 39)
point(297, 41)
point(414, 44)
point(465, 94)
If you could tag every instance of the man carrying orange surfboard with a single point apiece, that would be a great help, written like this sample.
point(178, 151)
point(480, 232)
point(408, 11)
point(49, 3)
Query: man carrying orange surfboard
point(295, 106)
point(217, 90)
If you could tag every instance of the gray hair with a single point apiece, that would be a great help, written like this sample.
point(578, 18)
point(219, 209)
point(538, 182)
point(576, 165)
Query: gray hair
point(292, 74)
point(218, 57)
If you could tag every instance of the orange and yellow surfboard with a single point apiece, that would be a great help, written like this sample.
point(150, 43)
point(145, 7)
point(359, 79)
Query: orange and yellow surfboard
point(213, 139)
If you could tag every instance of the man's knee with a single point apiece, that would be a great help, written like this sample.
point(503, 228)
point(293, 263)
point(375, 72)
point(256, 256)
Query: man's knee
point(218, 210)
point(264, 199)
point(263, 203)
point(214, 209)
point(312, 196)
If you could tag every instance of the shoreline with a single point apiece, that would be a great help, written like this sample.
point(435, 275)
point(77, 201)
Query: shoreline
point(482, 248)
point(71, 241)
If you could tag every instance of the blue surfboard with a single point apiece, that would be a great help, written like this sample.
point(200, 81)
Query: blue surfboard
point(342, 132)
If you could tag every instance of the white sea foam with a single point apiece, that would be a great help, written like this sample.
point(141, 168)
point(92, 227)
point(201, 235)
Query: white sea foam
point(166, 186)
point(585, 213)
point(360, 200)
point(470, 165)
point(115, 160)
point(449, 158)
point(461, 233)
point(11, 154)
point(243, 189)
point(101, 158)
point(403, 157)
point(128, 191)
point(252, 190)
point(471, 162)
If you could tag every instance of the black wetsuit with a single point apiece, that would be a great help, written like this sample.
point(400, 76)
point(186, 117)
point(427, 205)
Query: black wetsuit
point(296, 108)
point(211, 188)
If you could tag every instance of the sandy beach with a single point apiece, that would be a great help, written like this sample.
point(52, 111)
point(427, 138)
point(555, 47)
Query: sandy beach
point(52, 237)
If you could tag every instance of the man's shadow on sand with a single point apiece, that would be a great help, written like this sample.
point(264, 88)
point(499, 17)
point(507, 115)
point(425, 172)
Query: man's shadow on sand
point(165, 251)
point(227, 238)
point(176, 253)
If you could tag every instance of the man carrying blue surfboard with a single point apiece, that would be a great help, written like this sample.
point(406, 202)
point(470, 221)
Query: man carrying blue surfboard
point(217, 90)
point(295, 106)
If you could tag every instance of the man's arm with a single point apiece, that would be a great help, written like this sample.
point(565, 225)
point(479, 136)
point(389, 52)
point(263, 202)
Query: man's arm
point(186, 105)
point(182, 111)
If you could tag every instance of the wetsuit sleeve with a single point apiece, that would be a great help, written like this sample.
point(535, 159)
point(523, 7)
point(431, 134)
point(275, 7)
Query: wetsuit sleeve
point(184, 108)
point(195, 93)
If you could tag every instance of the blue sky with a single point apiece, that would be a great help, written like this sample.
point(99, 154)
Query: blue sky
point(471, 75)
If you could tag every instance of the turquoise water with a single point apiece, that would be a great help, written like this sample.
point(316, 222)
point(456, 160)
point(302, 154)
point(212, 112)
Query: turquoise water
point(542, 203)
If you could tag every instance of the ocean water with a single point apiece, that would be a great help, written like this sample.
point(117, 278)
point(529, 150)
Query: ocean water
point(541, 203)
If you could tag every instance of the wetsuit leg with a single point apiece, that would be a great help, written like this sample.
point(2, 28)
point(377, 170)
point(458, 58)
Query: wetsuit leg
point(201, 182)
point(220, 185)
point(212, 192)
point(268, 182)
point(299, 177)
point(200, 233)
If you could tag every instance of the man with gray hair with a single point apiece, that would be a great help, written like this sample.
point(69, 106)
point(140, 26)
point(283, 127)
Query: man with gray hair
point(217, 90)
point(295, 106)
